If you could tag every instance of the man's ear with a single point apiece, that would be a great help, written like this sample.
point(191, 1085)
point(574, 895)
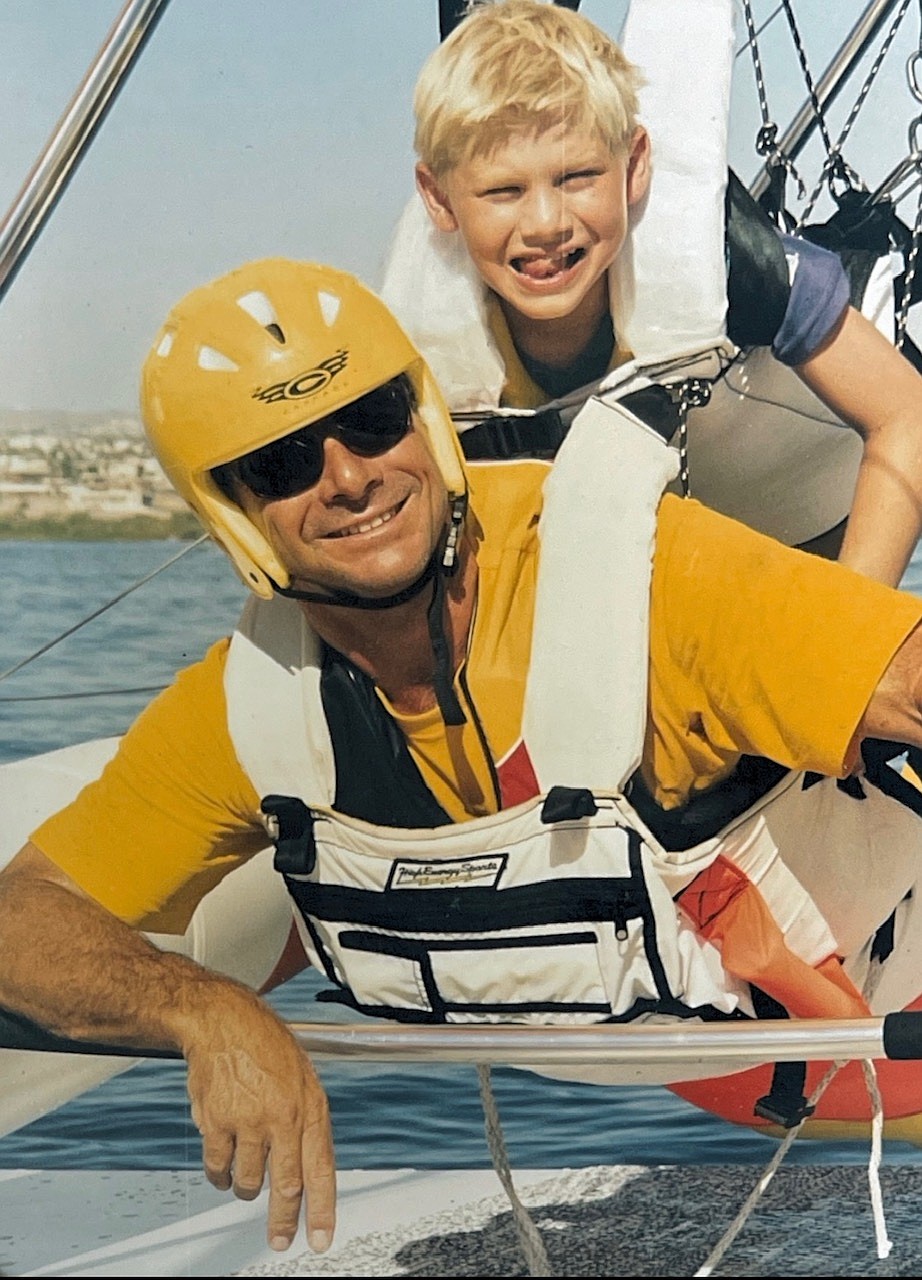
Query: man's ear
point(435, 199)
point(638, 166)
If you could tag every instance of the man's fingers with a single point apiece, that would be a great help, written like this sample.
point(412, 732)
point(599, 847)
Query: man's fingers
point(218, 1158)
point(319, 1163)
point(249, 1167)
point(260, 1109)
point(284, 1194)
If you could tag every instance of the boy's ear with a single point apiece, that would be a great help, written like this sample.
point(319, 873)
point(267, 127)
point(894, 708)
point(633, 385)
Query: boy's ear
point(435, 199)
point(638, 166)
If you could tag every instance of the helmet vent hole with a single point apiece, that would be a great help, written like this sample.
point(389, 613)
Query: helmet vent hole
point(329, 306)
point(276, 331)
point(165, 345)
point(257, 305)
point(215, 361)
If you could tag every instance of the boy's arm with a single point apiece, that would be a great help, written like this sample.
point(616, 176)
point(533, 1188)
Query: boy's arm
point(82, 973)
point(875, 389)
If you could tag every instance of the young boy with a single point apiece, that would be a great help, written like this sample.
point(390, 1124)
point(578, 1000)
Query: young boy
point(531, 166)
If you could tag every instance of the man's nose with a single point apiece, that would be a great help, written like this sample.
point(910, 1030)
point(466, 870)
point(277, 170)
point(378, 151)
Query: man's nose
point(346, 474)
point(545, 216)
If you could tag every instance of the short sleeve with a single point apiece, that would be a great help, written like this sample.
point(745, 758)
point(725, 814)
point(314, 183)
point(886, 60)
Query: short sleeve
point(757, 649)
point(171, 814)
point(819, 297)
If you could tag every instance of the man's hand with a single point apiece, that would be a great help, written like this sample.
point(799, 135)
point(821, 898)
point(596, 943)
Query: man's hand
point(260, 1108)
point(255, 1097)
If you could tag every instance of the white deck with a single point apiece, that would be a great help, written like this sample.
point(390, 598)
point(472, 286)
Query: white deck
point(608, 1220)
point(64, 1223)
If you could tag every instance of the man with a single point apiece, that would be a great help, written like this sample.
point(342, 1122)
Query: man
point(369, 712)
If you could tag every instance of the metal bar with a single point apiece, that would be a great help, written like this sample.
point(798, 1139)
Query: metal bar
point(73, 134)
point(831, 83)
point(641, 1045)
point(906, 172)
point(744, 1043)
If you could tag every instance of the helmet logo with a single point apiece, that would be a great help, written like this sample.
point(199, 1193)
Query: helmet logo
point(307, 383)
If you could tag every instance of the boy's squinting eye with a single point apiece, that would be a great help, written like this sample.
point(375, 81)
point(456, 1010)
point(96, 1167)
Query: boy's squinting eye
point(579, 175)
point(499, 192)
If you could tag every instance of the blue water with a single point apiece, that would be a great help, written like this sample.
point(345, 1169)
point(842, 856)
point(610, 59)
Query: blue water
point(426, 1116)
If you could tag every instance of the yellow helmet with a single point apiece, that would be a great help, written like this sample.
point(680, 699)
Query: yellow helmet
point(258, 353)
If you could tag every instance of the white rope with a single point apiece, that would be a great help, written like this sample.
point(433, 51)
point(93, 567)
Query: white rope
point(536, 1258)
point(755, 1195)
point(532, 1246)
point(884, 1243)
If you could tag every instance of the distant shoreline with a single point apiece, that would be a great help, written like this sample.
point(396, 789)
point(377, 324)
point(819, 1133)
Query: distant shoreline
point(80, 527)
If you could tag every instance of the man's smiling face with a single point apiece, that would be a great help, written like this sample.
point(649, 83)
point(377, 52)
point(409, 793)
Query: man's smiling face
point(369, 524)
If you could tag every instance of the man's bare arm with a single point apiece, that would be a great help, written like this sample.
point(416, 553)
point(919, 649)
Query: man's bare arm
point(71, 966)
point(895, 709)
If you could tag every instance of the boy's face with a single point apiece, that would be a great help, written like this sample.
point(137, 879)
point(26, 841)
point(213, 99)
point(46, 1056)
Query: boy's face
point(543, 216)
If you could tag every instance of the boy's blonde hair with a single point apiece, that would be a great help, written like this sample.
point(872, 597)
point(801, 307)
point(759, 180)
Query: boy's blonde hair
point(518, 65)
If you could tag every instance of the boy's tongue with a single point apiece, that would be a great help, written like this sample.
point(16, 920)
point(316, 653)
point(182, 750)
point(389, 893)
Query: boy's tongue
point(544, 268)
point(540, 268)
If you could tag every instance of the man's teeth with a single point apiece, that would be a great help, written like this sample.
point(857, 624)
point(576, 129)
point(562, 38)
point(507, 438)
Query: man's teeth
point(367, 526)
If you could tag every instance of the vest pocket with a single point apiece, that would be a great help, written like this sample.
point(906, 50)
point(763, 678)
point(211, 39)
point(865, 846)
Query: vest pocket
point(511, 919)
point(514, 976)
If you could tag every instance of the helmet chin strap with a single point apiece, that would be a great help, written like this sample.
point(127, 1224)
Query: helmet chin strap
point(442, 564)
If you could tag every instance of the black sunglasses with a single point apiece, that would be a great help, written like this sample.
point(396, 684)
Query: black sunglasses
point(369, 427)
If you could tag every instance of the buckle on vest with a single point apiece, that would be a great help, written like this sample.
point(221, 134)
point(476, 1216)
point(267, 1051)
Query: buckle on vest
point(566, 804)
point(786, 1113)
point(291, 826)
point(785, 1104)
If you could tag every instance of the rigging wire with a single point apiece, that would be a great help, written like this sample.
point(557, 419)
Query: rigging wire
point(205, 537)
point(835, 165)
point(808, 78)
point(90, 693)
point(767, 137)
point(755, 32)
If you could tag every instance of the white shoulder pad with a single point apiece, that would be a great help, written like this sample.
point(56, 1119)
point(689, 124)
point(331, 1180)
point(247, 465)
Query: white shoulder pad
point(669, 281)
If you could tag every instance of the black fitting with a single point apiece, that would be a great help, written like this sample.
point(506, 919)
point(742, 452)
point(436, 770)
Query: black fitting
point(903, 1035)
point(784, 1111)
point(565, 804)
point(291, 826)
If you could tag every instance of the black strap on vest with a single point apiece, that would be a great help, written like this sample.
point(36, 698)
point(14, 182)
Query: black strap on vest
point(785, 1103)
point(295, 848)
point(704, 815)
point(502, 439)
point(376, 777)
point(539, 435)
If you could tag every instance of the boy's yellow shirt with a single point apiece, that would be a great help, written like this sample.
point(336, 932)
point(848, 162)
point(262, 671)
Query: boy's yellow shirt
point(739, 663)
point(520, 391)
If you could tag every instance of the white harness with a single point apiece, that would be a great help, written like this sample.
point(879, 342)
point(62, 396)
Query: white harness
point(523, 915)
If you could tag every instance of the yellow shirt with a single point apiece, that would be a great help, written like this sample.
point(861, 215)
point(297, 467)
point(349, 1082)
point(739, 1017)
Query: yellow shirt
point(754, 649)
point(520, 391)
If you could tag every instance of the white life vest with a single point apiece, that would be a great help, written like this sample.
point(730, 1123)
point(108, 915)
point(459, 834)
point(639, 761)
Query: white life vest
point(536, 914)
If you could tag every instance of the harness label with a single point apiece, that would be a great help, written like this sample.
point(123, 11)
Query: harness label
point(451, 874)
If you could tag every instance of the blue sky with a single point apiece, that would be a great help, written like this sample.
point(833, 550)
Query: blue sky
point(252, 129)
